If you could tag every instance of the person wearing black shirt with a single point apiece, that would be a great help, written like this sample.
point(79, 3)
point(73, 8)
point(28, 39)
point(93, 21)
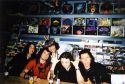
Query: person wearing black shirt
point(65, 69)
point(17, 64)
point(88, 71)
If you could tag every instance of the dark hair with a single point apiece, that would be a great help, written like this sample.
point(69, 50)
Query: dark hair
point(107, 6)
point(50, 42)
point(26, 48)
point(66, 55)
point(48, 61)
point(89, 53)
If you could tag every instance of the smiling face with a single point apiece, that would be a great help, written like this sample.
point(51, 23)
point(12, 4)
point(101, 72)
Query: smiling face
point(65, 63)
point(52, 48)
point(31, 49)
point(86, 60)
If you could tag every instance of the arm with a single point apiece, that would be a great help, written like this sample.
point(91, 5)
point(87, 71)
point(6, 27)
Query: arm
point(27, 68)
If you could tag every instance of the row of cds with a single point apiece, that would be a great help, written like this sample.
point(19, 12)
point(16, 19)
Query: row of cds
point(74, 26)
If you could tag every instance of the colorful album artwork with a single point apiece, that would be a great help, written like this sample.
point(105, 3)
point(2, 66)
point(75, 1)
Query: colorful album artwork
point(93, 8)
point(90, 30)
point(55, 26)
point(117, 31)
point(79, 8)
point(66, 26)
point(79, 21)
point(44, 25)
point(33, 29)
point(91, 22)
point(104, 22)
point(104, 30)
point(78, 30)
point(118, 21)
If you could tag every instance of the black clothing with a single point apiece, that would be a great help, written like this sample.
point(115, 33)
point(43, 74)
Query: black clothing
point(17, 64)
point(64, 75)
point(97, 73)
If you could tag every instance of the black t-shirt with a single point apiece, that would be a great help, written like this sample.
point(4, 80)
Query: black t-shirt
point(97, 73)
point(18, 63)
point(64, 75)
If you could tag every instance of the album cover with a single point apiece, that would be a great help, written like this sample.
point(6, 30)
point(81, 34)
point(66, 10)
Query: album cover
point(104, 30)
point(32, 29)
point(117, 31)
point(44, 25)
point(79, 21)
point(91, 22)
point(106, 7)
point(118, 21)
point(55, 26)
point(66, 26)
point(93, 8)
point(67, 8)
point(90, 30)
point(119, 8)
point(78, 30)
point(79, 8)
point(104, 22)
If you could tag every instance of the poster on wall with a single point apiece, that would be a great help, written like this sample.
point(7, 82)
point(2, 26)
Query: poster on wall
point(66, 27)
point(117, 31)
point(55, 26)
point(32, 29)
point(44, 25)
point(90, 30)
point(104, 21)
point(118, 21)
point(78, 30)
point(104, 30)
point(79, 21)
point(79, 8)
point(93, 8)
point(91, 22)
point(67, 8)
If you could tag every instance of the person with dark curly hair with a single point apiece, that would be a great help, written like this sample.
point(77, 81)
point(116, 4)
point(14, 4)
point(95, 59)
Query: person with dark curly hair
point(88, 71)
point(17, 64)
point(40, 66)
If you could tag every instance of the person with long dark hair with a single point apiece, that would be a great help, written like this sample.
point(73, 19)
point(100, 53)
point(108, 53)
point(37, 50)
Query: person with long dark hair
point(17, 64)
point(88, 71)
point(39, 66)
point(53, 47)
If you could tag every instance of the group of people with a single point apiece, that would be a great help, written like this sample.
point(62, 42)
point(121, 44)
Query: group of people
point(82, 71)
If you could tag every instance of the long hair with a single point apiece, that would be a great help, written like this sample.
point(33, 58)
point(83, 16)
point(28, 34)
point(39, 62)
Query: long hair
point(48, 61)
point(89, 53)
point(50, 42)
point(26, 49)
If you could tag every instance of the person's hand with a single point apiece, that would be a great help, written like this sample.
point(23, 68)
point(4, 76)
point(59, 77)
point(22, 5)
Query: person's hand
point(75, 63)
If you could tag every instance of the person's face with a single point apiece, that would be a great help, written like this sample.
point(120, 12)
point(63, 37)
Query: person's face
point(85, 59)
point(31, 49)
point(52, 48)
point(45, 55)
point(65, 63)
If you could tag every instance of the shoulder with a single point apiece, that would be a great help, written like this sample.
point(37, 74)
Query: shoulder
point(99, 66)
point(33, 61)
